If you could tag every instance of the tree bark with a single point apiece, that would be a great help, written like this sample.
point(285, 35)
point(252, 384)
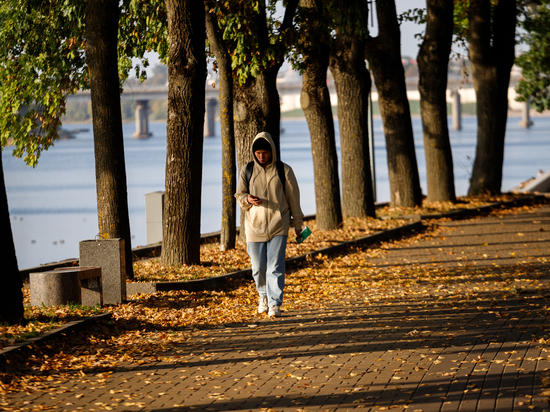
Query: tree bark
point(315, 101)
point(256, 109)
point(384, 56)
point(353, 85)
point(185, 128)
point(102, 58)
point(492, 55)
point(11, 294)
point(433, 62)
point(229, 178)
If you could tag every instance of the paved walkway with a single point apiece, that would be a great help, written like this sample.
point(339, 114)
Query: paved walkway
point(425, 348)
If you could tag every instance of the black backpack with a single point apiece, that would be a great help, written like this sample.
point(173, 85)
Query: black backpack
point(280, 171)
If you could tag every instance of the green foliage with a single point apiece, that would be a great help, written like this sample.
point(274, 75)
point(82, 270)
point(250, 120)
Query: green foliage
point(535, 63)
point(251, 32)
point(307, 34)
point(142, 28)
point(461, 21)
point(41, 62)
point(344, 17)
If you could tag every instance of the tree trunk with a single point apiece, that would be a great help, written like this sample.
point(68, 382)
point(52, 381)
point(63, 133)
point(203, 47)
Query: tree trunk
point(492, 55)
point(353, 85)
point(11, 295)
point(102, 58)
point(315, 101)
point(185, 128)
point(384, 56)
point(229, 178)
point(256, 109)
point(433, 62)
point(256, 105)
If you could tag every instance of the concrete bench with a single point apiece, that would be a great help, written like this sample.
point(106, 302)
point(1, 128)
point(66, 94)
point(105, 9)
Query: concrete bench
point(81, 285)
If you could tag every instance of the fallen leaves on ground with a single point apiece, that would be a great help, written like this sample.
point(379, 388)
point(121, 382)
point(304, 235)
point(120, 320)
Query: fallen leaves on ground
point(162, 327)
point(42, 319)
point(215, 262)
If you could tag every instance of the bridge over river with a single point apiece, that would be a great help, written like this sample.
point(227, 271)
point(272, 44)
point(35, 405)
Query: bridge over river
point(458, 91)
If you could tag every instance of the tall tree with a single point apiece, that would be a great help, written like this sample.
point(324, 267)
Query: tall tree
point(185, 125)
point(229, 178)
point(102, 58)
point(257, 42)
point(11, 294)
point(491, 38)
point(353, 85)
point(258, 45)
point(433, 63)
point(43, 61)
point(534, 86)
point(314, 49)
point(384, 56)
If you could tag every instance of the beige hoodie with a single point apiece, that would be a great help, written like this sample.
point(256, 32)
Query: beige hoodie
point(277, 212)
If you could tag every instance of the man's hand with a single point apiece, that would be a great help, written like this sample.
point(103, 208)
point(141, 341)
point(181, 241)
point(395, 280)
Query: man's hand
point(298, 231)
point(254, 200)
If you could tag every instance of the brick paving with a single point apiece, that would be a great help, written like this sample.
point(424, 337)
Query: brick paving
point(427, 351)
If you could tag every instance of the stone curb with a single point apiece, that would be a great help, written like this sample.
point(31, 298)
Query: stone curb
point(73, 326)
point(140, 252)
point(218, 281)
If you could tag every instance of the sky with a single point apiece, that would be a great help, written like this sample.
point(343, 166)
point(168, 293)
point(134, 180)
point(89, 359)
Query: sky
point(409, 44)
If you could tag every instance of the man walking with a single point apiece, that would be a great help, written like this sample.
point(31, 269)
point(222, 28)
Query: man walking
point(268, 193)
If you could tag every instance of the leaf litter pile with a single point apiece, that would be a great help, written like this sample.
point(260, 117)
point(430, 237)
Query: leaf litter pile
point(158, 327)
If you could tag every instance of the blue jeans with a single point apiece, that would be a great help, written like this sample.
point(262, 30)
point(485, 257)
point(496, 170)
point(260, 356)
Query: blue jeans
point(268, 268)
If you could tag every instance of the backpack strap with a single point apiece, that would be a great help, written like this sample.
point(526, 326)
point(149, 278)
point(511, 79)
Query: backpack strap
point(249, 170)
point(280, 171)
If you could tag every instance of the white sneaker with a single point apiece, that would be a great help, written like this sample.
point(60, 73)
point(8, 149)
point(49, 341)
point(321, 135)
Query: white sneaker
point(274, 311)
point(262, 306)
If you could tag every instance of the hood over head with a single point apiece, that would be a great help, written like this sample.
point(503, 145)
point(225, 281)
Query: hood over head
point(266, 136)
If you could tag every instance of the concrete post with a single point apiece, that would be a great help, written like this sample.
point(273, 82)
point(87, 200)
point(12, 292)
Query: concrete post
point(54, 288)
point(142, 120)
point(210, 118)
point(90, 283)
point(525, 119)
point(110, 256)
point(456, 110)
point(154, 212)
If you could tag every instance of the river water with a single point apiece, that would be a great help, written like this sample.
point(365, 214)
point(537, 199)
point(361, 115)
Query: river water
point(53, 207)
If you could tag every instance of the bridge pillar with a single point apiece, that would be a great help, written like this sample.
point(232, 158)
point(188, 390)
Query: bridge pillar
point(210, 118)
point(456, 110)
point(142, 120)
point(525, 120)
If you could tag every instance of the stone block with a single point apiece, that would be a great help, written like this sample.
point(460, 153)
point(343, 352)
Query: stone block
point(109, 255)
point(54, 288)
point(154, 212)
point(90, 284)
